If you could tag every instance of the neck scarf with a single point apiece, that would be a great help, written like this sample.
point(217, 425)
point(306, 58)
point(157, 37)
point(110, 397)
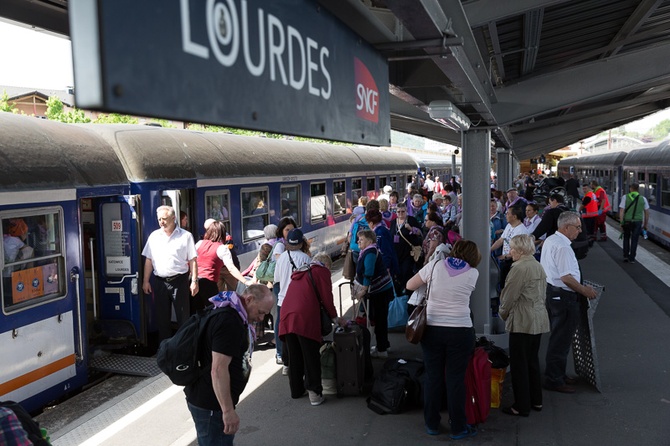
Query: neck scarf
point(456, 266)
point(370, 246)
point(231, 299)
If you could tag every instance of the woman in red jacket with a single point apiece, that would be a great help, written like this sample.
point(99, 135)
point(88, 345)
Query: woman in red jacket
point(300, 326)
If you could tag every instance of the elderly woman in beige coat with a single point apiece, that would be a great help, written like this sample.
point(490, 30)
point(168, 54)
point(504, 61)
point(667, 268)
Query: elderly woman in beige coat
point(522, 306)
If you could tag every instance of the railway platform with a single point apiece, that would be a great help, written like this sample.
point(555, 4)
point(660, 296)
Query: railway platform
point(632, 329)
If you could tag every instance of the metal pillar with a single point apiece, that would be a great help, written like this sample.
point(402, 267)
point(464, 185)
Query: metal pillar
point(453, 166)
point(504, 173)
point(476, 161)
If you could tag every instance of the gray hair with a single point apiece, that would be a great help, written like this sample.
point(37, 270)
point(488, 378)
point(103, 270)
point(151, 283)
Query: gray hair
point(258, 292)
point(568, 218)
point(523, 244)
point(324, 258)
point(168, 209)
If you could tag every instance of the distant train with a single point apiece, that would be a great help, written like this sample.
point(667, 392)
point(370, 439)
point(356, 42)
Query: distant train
point(648, 165)
point(77, 203)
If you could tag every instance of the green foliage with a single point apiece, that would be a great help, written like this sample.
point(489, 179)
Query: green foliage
point(5, 105)
point(163, 123)
point(55, 112)
point(661, 130)
point(115, 118)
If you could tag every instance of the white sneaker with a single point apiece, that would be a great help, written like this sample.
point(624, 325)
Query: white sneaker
point(284, 370)
point(315, 399)
point(377, 354)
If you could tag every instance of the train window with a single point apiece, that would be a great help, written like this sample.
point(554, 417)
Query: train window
point(382, 182)
point(356, 191)
point(371, 187)
point(652, 186)
point(394, 182)
point(290, 203)
point(665, 191)
point(255, 215)
point(217, 203)
point(339, 197)
point(642, 183)
point(318, 202)
point(34, 258)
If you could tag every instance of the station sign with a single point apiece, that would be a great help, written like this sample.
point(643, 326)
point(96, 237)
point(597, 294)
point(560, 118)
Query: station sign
point(284, 66)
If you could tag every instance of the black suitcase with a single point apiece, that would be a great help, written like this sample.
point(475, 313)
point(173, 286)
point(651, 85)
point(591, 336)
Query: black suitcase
point(349, 360)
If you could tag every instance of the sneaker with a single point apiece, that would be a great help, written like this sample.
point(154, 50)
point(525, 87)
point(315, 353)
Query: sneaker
point(468, 432)
point(315, 399)
point(430, 431)
point(631, 261)
point(284, 370)
point(377, 354)
point(279, 360)
point(625, 260)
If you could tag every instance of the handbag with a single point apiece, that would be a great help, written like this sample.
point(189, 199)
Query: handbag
point(416, 324)
point(349, 269)
point(358, 291)
point(326, 321)
point(415, 250)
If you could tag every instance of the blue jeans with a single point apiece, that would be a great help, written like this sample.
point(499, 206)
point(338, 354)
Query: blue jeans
point(209, 426)
point(446, 352)
point(278, 342)
point(564, 318)
point(631, 234)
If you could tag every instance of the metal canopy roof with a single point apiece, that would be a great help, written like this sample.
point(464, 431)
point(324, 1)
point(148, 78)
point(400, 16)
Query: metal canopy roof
point(540, 73)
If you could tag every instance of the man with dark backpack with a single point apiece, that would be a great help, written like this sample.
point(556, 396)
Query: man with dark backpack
point(634, 216)
point(227, 344)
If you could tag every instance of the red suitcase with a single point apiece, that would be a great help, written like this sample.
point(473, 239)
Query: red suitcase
point(478, 387)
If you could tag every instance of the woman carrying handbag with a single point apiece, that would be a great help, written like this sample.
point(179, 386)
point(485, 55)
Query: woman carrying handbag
point(449, 337)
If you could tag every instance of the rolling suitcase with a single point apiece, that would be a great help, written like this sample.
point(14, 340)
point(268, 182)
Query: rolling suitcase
point(349, 360)
point(478, 387)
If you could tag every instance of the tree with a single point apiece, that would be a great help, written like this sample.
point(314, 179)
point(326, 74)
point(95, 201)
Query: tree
point(661, 130)
point(5, 105)
point(55, 112)
point(115, 118)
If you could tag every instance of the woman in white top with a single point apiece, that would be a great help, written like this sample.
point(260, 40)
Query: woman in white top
point(515, 215)
point(449, 338)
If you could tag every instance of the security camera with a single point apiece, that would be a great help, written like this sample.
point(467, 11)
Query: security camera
point(456, 152)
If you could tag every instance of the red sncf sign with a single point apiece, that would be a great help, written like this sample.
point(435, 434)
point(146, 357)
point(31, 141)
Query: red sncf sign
point(367, 93)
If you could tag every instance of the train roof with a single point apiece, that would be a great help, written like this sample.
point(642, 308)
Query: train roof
point(656, 155)
point(153, 153)
point(601, 159)
point(44, 155)
point(434, 162)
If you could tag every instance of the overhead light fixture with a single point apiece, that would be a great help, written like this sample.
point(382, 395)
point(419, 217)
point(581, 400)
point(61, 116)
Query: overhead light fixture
point(448, 115)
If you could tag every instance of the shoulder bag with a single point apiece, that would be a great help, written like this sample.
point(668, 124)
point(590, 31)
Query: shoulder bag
point(326, 321)
point(415, 250)
point(349, 268)
point(416, 324)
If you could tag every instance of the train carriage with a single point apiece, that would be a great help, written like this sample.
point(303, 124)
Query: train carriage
point(648, 165)
point(88, 194)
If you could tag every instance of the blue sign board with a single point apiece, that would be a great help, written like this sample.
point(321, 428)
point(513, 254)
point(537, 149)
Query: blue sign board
point(284, 66)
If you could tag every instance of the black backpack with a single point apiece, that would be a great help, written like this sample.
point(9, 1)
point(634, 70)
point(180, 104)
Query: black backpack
point(179, 357)
point(31, 426)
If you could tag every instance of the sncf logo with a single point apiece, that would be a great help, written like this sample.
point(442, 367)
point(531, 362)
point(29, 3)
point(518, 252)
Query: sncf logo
point(367, 93)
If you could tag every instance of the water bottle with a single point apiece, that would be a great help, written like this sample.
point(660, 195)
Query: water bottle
point(644, 234)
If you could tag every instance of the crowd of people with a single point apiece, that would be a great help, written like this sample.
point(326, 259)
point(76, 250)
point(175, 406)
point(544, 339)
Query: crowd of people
point(401, 242)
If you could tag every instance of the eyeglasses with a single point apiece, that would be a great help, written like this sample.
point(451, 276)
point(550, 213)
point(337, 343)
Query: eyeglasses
point(579, 227)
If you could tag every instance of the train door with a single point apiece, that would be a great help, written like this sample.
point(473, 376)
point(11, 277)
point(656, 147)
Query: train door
point(121, 306)
point(183, 203)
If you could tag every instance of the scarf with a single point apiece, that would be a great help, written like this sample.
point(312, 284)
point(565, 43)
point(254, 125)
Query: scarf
point(231, 299)
point(370, 246)
point(456, 266)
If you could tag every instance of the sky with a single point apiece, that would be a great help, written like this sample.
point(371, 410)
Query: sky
point(30, 58)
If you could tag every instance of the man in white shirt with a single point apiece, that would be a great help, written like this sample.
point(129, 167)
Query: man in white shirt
point(564, 292)
point(170, 254)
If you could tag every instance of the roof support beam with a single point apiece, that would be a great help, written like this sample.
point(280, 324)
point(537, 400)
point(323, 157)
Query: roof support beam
point(481, 12)
point(527, 144)
point(587, 82)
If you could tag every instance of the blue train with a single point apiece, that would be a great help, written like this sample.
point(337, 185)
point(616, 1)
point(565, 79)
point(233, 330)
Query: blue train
point(648, 165)
point(77, 203)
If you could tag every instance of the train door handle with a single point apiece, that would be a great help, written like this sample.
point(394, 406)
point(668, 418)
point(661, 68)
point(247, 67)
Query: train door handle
point(117, 282)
